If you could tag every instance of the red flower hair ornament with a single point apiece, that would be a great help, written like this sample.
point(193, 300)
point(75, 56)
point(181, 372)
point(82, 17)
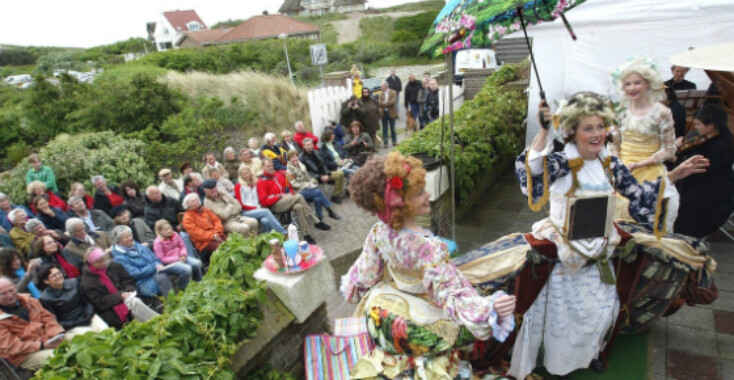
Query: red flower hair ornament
point(392, 196)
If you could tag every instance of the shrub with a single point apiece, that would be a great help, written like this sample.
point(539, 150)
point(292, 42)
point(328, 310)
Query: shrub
point(403, 36)
point(78, 157)
point(488, 129)
point(378, 28)
point(417, 24)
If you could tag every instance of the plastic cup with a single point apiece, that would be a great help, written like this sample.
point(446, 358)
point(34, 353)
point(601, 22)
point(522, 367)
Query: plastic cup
point(291, 250)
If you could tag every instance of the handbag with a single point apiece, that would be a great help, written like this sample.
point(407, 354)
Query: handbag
point(329, 357)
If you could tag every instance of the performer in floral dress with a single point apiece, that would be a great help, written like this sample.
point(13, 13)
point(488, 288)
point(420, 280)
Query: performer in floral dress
point(418, 300)
point(579, 303)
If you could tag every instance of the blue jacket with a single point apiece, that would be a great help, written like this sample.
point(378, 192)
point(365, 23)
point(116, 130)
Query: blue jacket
point(328, 157)
point(140, 263)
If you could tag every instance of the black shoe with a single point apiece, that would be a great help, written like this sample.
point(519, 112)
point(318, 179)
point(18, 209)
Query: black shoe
point(598, 366)
point(322, 226)
point(332, 214)
point(309, 239)
point(336, 200)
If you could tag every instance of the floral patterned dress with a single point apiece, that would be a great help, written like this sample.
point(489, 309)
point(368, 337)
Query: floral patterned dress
point(415, 266)
point(576, 307)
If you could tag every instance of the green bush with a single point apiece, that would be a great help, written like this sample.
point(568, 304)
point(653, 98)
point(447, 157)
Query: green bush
point(76, 158)
point(488, 129)
point(195, 337)
point(403, 36)
point(417, 24)
point(378, 28)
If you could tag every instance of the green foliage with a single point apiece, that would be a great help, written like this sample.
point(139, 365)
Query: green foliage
point(488, 129)
point(77, 157)
point(231, 23)
point(195, 337)
point(435, 5)
point(378, 28)
point(403, 36)
point(417, 24)
point(329, 34)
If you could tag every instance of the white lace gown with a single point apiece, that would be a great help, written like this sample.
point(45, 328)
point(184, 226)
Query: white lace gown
point(575, 309)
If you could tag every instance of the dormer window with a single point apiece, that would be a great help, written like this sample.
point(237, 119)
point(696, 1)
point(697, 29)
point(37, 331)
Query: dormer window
point(193, 25)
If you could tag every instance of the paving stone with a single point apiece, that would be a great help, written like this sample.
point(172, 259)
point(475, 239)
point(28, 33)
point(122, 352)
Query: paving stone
point(693, 317)
point(511, 206)
point(725, 301)
point(726, 346)
point(724, 321)
point(659, 362)
point(687, 366)
point(691, 340)
point(727, 369)
point(724, 280)
point(659, 333)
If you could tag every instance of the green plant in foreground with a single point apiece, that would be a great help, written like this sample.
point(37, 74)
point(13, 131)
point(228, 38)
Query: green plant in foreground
point(195, 337)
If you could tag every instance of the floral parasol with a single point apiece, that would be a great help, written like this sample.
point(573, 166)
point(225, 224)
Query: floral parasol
point(463, 24)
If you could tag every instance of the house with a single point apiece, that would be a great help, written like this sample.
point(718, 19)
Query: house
point(254, 28)
point(172, 26)
point(292, 8)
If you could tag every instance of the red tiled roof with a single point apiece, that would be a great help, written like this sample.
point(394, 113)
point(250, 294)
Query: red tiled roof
point(265, 26)
point(179, 19)
point(204, 37)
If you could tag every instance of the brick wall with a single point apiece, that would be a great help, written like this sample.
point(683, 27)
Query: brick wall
point(285, 350)
point(473, 81)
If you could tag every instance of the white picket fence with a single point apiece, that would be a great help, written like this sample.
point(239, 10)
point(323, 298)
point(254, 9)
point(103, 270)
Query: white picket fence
point(325, 103)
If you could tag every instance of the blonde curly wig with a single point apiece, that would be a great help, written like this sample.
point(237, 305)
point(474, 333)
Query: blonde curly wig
point(581, 104)
point(645, 67)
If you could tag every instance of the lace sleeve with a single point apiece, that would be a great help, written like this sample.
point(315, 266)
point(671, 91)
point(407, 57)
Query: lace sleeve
point(667, 135)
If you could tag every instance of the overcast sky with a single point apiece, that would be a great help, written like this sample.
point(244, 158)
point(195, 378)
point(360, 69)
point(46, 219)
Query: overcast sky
point(87, 23)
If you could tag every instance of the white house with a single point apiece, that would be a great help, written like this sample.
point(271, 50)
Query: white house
point(171, 27)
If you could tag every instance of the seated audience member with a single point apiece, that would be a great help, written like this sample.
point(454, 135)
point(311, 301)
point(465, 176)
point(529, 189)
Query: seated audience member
point(95, 220)
point(39, 230)
point(107, 196)
point(211, 163)
point(169, 248)
point(51, 252)
point(254, 145)
point(302, 133)
point(168, 186)
point(63, 298)
point(192, 184)
point(231, 163)
point(302, 183)
point(77, 189)
point(112, 291)
point(706, 200)
point(274, 193)
point(151, 276)
point(228, 210)
point(141, 232)
point(39, 172)
point(5, 208)
point(158, 206)
point(246, 193)
point(358, 144)
point(678, 82)
point(337, 130)
point(205, 229)
point(28, 332)
point(287, 142)
point(38, 189)
point(134, 200)
point(250, 161)
point(185, 168)
point(318, 170)
point(335, 158)
point(81, 240)
point(272, 151)
point(21, 237)
point(224, 185)
point(5, 240)
point(53, 217)
point(14, 267)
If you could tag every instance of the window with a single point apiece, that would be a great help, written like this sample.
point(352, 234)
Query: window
point(193, 25)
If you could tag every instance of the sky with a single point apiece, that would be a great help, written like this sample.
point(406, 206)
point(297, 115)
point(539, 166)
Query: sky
point(87, 23)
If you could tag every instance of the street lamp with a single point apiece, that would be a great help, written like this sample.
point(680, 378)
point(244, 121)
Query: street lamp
point(283, 37)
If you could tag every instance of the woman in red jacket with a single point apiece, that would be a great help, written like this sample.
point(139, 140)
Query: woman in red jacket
point(245, 192)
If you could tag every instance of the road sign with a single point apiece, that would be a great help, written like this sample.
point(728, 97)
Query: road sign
point(318, 55)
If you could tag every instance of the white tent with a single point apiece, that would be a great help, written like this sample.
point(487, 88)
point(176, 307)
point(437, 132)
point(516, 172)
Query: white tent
point(610, 31)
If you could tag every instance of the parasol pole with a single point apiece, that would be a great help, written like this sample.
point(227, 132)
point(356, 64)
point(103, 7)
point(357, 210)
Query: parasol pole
point(450, 80)
point(532, 57)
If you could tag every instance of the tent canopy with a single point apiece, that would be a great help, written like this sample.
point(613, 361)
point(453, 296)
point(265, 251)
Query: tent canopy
point(609, 32)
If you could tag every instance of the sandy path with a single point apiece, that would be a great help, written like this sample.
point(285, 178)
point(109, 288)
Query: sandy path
point(349, 29)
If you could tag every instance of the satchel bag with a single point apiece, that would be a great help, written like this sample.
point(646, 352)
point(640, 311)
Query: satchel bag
point(331, 357)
